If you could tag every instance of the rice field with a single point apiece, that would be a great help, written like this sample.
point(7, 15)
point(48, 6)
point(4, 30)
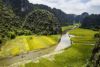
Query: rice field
point(75, 56)
point(23, 44)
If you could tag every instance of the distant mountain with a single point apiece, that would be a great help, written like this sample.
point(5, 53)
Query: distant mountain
point(20, 7)
point(79, 18)
point(23, 7)
point(91, 22)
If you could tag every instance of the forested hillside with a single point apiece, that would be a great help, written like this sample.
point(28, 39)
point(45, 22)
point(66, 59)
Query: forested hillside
point(91, 22)
point(42, 22)
point(37, 22)
point(7, 22)
point(22, 7)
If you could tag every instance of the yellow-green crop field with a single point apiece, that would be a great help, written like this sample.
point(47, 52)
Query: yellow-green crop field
point(75, 56)
point(67, 27)
point(22, 44)
point(83, 36)
point(64, 28)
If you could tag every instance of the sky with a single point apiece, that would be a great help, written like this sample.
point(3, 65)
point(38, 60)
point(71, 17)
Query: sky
point(72, 6)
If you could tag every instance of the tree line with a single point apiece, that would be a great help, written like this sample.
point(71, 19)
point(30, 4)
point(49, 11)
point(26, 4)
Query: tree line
point(91, 22)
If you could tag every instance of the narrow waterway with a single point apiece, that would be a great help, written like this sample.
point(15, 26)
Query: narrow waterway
point(64, 43)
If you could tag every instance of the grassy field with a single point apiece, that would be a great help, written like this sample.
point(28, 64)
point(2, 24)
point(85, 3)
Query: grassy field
point(24, 44)
point(83, 36)
point(67, 27)
point(64, 28)
point(75, 56)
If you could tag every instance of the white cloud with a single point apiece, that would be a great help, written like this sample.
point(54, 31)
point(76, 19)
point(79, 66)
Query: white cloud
point(72, 6)
point(94, 2)
point(93, 6)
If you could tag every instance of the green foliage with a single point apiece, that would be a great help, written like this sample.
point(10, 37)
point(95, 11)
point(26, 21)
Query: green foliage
point(42, 22)
point(95, 57)
point(91, 22)
point(6, 20)
point(97, 35)
point(17, 8)
point(75, 56)
point(11, 35)
point(20, 32)
point(37, 22)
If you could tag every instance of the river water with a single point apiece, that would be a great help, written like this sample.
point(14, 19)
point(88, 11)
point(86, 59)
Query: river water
point(64, 43)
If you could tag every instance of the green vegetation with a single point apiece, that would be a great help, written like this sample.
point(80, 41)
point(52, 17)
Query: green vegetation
point(41, 29)
point(95, 57)
point(38, 22)
point(64, 28)
point(42, 22)
point(22, 31)
point(75, 56)
point(83, 36)
point(6, 16)
point(9, 25)
point(22, 44)
point(91, 22)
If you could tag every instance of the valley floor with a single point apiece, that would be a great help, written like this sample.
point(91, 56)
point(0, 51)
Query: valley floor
point(33, 55)
point(75, 56)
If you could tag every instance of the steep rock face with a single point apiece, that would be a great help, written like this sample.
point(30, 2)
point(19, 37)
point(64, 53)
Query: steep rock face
point(63, 17)
point(80, 18)
point(20, 7)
